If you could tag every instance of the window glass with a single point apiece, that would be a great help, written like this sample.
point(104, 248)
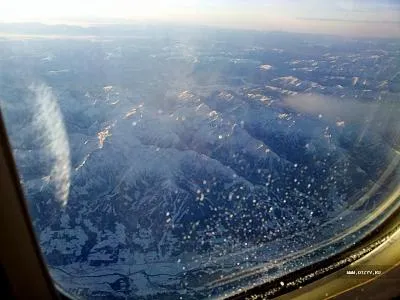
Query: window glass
point(197, 149)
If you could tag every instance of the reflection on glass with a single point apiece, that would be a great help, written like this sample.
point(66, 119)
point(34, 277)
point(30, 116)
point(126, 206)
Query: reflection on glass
point(165, 161)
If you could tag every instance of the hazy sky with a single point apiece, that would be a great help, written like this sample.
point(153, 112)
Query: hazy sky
point(351, 17)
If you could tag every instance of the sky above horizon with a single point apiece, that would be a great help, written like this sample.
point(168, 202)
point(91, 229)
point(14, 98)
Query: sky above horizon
point(351, 17)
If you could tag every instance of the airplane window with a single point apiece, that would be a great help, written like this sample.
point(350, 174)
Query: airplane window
point(194, 149)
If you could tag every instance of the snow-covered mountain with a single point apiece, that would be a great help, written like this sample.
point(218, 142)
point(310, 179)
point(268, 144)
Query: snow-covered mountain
point(190, 162)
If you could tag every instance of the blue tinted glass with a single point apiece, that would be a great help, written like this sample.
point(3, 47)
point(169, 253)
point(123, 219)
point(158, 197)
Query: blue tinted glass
point(174, 161)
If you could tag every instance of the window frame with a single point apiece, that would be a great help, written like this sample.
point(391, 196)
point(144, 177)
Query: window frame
point(370, 250)
point(24, 270)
